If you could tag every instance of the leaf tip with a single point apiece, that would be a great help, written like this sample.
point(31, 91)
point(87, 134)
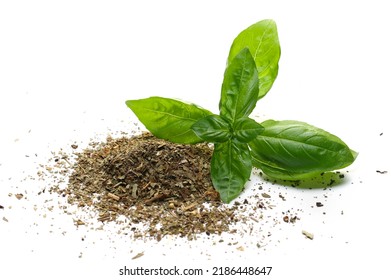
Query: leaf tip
point(129, 103)
point(354, 154)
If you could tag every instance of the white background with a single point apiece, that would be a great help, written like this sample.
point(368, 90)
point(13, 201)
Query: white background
point(67, 67)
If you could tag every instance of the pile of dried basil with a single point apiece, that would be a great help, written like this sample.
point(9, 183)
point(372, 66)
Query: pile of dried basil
point(162, 185)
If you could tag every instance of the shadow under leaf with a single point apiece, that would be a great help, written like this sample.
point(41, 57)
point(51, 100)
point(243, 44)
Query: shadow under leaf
point(323, 180)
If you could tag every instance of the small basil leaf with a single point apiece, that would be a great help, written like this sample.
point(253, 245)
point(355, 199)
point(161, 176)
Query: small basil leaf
point(213, 129)
point(168, 118)
point(230, 168)
point(240, 87)
point(262, 40)
point(246, 129)
point(293, 150)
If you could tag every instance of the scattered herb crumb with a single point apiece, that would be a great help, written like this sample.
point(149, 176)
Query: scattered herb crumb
point(308, 235)
point(240, 248)
point(265, 195)
point(382, 172)
point(289, 218)
point(139, 255)
point(79, 222)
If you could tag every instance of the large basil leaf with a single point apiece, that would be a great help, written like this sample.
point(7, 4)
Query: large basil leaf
point(240, 87)
point(246, 129)
point(230, 168)
point(262, 40)
point(213, 129)
point(168, 118)
point(293, 150)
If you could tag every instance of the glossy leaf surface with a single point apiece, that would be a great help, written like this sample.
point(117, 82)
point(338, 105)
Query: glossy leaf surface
point(213, 129)
point(262, 40)
point(293, 150)
point(240, 87)
point(168, 118)
point(230, 168)
point(246, 129)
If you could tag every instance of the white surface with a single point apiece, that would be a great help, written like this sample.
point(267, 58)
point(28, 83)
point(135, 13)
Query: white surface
point(66, 69)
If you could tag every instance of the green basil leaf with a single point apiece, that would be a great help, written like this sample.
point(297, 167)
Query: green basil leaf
point(262, 40)
point(246, 129)
point(240, 87)
point(230, 168)
point(168, 118)
point(292, 150)
point(213, 129)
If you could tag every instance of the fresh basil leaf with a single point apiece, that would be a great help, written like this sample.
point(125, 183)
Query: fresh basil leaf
point(240, 87)
point(292, 150)
point(230, 168)
point(168, 118)
point(262, 40)
point(213, 129)
point(246, 129)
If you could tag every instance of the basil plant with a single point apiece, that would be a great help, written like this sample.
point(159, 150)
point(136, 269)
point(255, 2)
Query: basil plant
point(287, 150)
